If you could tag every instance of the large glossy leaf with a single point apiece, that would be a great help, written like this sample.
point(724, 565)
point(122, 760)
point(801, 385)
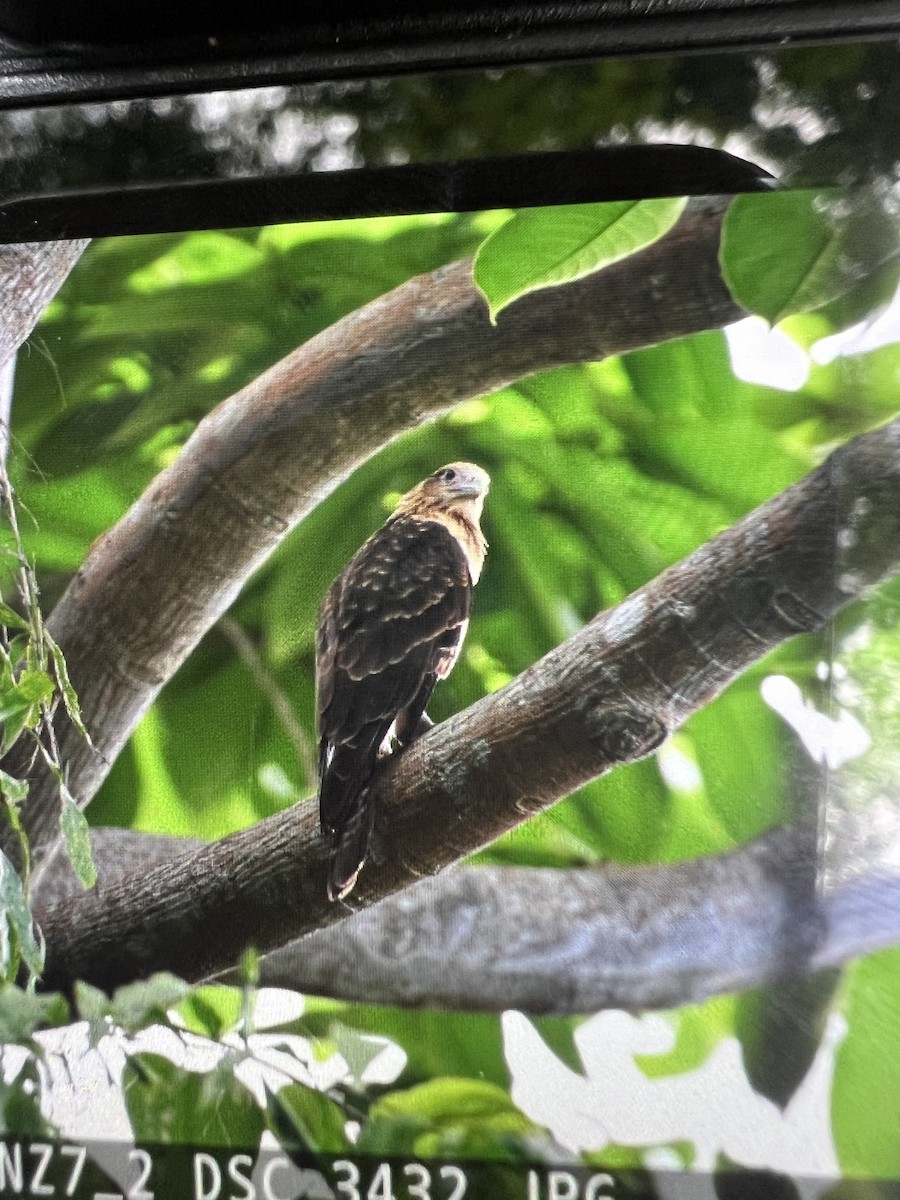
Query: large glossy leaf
point(540, 247)
point(791, 252)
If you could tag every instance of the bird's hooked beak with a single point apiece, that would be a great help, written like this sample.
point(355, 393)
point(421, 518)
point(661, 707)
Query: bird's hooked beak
point(465, 480)
point(457, 486)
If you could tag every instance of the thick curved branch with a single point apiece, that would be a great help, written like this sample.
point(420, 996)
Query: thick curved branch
point(576, 941)
point(564, 942)
point(31, 274)
point(608, 695)
point(257, 464)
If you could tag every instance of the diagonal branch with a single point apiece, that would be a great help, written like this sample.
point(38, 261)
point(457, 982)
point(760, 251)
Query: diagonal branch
point(257, 464)
point(576, 941)
point(31, 273)
point(564, 942)
point(608, 695)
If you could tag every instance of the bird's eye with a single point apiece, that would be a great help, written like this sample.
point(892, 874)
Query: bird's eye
point(447, 475)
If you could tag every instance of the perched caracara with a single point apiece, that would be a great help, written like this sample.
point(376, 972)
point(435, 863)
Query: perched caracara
point(390, 627)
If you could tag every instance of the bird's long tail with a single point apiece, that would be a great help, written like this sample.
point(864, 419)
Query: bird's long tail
point(350, 845)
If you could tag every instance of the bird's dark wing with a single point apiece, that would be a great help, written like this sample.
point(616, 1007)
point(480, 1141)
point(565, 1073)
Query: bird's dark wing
point(391, 621)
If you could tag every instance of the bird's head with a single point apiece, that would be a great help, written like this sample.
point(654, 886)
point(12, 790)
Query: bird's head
point(459, 487)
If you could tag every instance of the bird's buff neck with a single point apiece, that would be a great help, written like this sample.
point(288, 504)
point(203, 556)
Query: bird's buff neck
point(472, 540)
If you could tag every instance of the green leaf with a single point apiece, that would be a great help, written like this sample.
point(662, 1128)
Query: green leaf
point(11, 618)
point(70, 699)
point(248, 969)
point(137, 1005)
point(22, 1012)
point(20, 1104)
point(14, 719)
point(198, 258)
point(212, 1010)
point(14, 791)
point(627, 809)
point(541, 247)
point(90, 1002)
point(450, 1101)
point(15, 920)
point(447, 1116)
point(35, 686)
point(685, 379)
point(436, 1043)
point(699, 1029)
point(19, 648)
point(20, 706)
point(76, 837)
point(302, 1115)
point(72, 511)
point(790, 252)
point(739, 745)
point(169, 1104)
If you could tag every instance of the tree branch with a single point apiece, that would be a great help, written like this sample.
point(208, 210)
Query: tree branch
point(577, 941)
point(550, 941)
point(567, 942)
point(257, 464)
point(563, 942)
point(608, 695)
point(31, 274)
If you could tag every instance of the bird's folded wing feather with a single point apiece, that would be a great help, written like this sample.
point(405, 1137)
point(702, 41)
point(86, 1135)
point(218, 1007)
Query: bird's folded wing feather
point(385, 622)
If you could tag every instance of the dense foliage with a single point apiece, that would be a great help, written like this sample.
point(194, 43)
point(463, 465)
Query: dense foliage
point(603, 475)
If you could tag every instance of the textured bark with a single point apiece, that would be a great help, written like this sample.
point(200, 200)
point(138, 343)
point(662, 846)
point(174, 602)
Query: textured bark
point(608, 695)
point(257, 464)
point(31, 273)
point(7, 375)
point(564, 942)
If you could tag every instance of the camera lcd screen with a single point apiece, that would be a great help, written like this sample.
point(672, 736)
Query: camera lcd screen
point(475, 634)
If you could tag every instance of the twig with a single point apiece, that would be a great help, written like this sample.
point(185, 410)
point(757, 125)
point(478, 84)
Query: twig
point(268, 684)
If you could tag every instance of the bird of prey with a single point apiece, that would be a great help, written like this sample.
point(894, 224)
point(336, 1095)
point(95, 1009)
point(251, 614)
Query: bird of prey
point(390, 626)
